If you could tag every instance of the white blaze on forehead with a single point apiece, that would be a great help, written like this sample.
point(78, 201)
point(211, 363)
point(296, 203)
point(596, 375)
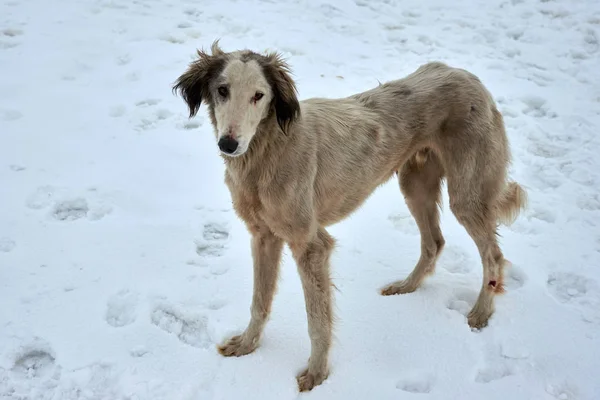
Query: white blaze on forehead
point(245, 77)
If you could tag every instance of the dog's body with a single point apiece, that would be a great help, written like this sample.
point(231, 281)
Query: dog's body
point(306, 165)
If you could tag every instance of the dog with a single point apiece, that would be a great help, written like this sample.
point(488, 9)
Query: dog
point(296, 167)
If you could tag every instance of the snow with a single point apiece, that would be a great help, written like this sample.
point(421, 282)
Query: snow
point(122, 264)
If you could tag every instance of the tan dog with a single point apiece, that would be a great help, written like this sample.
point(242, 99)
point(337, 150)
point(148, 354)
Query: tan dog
point(294, 168)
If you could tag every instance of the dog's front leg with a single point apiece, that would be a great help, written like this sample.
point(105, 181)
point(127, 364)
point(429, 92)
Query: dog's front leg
point(312, 258)
point(266, 254)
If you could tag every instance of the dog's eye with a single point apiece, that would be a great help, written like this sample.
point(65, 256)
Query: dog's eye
point(257, 96)
point(223, 91)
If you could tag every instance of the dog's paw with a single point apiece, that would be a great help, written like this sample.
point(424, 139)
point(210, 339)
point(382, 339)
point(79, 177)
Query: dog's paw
point(478, 319)
point(400, 287)
point(237, 346)
point(308, 380)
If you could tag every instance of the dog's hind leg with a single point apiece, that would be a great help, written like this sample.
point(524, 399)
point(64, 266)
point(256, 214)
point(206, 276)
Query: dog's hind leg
point(420, 181)
point(266, 252)
point(312, 257)
point(479, 221)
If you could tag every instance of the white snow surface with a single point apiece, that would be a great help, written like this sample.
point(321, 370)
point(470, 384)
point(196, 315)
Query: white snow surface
point(123, 265)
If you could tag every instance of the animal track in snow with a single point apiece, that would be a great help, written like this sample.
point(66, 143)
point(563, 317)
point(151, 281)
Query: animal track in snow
point(404, 223)
point(34, 363)
point(9, 115)
point(123, 59)
point(17, 168)
point(562, 391)
point(493, 372)
point(590, 202)
point(189, 329)
point(567, 286)
point(462, 302)
point(9, 34)
point(536, 107)
point(121, 308)
point(66, 208)
point(417, 382)
point(190, 125)
point(514, 277)
point(455, 260)
point(547, 150)
point(171, 38)
point(214, 237)
point(146, 121)
point(71, 210)
point(577, 290)
point(7, 244)
point(139, 351)
point(163, 113)
point(543, 215)
point(34, 360)
point(501, 361)
point(147, 102)
point(193, 12)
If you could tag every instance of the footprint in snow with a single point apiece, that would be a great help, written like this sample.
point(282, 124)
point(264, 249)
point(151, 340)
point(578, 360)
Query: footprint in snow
point(417, 382)
point(514, 277)
point(34, 360)
point(502, 360)
point(189, 329)
point(147, 102)
point(547, 150)
point(462, 301)
point(567, 286)
point(535, 106)
point(189, 125)
point(214, 238)
point(546, 215)
point(8, 38)
point(9, 115)
point(65, 208)
point(563, 391)
point(7, 244)
point(193, 12)
point(455, 260)
point(493, 372)
point(404, 223)
point(184, 25)
point(17, 168)
point(121, 308)
point(123, 59)
point(71, 210)
point(167, 37)
point(576, 290)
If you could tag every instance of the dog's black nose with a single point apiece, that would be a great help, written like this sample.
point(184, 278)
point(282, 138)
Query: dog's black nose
point(228, 144)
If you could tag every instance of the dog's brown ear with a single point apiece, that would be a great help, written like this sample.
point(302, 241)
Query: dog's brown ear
point(278, 73)
point(193, 84)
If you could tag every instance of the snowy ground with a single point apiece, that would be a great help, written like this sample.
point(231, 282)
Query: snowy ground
point(122, 264)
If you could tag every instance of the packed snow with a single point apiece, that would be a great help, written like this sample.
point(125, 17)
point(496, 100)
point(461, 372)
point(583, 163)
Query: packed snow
point(123, 265)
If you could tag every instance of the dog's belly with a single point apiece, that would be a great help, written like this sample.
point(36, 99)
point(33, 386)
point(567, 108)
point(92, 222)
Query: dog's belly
point(336, 202)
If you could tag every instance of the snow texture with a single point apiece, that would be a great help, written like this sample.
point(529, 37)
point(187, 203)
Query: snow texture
point(122, 264)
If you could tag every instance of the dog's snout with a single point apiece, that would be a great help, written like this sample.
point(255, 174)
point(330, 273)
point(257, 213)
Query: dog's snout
point(228, 144)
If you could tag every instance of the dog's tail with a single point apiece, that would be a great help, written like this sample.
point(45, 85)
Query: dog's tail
point(510, 203)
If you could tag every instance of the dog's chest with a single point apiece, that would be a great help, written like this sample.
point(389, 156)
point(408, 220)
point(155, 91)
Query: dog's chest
point(245, 198)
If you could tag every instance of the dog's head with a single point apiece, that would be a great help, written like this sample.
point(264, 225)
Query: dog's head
point(241, 89)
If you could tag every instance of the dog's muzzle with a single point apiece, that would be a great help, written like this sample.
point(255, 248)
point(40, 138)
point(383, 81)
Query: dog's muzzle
point(228, 145)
